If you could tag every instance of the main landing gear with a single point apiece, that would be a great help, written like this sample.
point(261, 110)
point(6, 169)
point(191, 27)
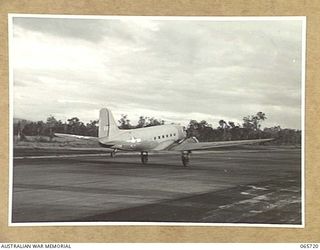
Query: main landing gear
point(113, 153)
point(144, 157)
point(185, 157)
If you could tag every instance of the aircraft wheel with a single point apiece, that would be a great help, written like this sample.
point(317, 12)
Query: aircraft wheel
point(186, 159)
point(113, 154)
point(144, 157)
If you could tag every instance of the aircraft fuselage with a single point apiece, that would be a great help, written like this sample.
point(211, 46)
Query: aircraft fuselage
point(145, 139)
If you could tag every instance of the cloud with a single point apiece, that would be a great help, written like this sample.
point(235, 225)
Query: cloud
point(85, 29)
point(175, 69)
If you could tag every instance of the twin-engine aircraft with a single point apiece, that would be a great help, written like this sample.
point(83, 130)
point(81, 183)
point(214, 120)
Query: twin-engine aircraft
point(149, 139)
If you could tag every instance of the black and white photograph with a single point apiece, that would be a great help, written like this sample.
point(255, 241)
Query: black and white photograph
point(156, 120)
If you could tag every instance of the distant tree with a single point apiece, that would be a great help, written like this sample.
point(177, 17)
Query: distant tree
point(51, 125)
point(61, 127)
point(193, 124)
point(124, 122)
point(247, 122)
point(236, 132)
point(253, 121)
point(203, 124)
point(41, 126)
point(19, 128)
point(231, 124)
point(201, 130)
point(52, 121)
point(224, 132)
point(92, 128)
point(141, 122)
point(29, 129)
point(223, 124)
point(75, 126)
point(192, 129)
point(151, 121)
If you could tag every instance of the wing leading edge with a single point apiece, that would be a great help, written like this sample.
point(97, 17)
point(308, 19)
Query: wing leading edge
point(191, 145)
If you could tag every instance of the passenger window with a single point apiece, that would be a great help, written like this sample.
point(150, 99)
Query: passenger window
point(170, 135)
point(159, 137)
point(174, 134)
point(167, 135)
point(154, 138)
point(162, 136)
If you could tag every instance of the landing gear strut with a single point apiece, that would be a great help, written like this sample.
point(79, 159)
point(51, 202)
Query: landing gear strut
point(113, 153)
point(185, 157)
point(144, 157)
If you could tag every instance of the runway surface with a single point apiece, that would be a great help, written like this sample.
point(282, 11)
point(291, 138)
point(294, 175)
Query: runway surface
point(261, 185)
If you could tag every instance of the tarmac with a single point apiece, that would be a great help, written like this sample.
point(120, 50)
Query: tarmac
point(253, 185)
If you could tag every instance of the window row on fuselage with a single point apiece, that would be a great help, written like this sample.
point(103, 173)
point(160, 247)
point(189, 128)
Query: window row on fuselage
point(163, 136)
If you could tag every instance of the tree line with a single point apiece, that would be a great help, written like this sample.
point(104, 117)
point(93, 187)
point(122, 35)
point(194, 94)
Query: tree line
point(226, 130)
point(250, 129)
point(75, 126)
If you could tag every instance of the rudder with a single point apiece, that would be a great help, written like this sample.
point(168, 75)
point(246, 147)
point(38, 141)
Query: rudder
point(107, 124)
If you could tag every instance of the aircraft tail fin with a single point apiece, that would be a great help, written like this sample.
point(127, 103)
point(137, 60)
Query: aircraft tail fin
point(107, 124)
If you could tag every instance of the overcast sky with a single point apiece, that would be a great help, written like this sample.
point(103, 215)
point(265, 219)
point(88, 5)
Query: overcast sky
point(175, 70)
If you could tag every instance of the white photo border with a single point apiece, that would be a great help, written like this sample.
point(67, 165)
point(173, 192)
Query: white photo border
point(303, 19)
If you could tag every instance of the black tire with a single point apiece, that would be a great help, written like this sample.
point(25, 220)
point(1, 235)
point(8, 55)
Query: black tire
point(113, 154)
point(185, 161)
point(144, 158)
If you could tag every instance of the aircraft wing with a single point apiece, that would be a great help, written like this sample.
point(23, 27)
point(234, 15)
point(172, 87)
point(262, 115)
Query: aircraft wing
point(193, 145)
point(81, 137)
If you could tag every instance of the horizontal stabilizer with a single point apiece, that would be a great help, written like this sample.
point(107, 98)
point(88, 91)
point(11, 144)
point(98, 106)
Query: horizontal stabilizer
point(80, 137)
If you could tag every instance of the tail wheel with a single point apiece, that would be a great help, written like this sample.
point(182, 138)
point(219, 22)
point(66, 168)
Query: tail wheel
point(185, 157)
point(144, 157)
